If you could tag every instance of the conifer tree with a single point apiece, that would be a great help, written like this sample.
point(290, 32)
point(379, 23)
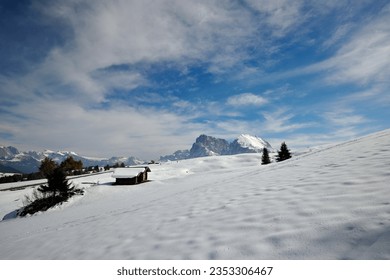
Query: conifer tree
point(69, 164)
point(57, 185)
point(265, 157)
point(47, 166)
point(284, 153)
point(57, 190)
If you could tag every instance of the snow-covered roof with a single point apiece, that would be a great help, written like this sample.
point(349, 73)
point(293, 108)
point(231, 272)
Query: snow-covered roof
point(128, 172)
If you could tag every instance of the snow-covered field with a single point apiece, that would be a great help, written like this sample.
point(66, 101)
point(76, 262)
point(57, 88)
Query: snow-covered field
point(328, 204)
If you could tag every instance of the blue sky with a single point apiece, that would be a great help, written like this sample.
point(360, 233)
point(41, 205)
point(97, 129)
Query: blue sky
point(145, 78)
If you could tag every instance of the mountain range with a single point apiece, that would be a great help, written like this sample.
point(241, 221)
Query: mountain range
point(14, 161)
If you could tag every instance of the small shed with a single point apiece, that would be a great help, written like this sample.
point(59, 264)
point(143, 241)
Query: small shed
point(131, 175)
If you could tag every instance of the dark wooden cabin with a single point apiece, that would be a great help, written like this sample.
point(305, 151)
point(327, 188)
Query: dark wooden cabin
point(131, 175)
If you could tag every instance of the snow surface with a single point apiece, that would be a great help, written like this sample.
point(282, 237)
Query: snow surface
point(328, 204)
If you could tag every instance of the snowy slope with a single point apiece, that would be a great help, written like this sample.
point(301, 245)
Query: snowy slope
point(328, 204)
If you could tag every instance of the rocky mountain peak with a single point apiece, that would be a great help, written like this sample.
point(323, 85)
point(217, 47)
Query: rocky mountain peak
point(208, 146)
point(8, 152)
point(211, 146)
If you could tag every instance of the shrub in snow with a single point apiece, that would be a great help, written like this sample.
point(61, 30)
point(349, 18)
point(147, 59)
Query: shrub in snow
point(57, 190)
point(284, 153)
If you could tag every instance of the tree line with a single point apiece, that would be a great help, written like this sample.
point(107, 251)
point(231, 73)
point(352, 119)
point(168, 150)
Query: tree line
point(283, 154)
point(69, 165)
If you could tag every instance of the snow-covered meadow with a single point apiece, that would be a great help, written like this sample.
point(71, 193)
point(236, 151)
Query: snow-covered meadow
point(332, 203)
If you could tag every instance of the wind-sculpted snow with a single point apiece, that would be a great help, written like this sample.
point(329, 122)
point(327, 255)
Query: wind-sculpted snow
point(328, 204)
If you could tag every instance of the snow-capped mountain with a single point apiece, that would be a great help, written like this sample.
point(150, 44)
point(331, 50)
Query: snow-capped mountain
point(211, 146)
point(11, 158)
point(27, 162)
point(246, 143)
point(178, 155)
point(8, 152)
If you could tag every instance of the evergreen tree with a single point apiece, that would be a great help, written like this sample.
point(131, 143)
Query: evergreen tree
point(265, 157)
point(284, 153)
point(70, 165)
point(47, 166)
point(57, 185)
point(57, 190)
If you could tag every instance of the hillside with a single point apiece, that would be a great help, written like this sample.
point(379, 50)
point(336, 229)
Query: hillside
point(332, 203)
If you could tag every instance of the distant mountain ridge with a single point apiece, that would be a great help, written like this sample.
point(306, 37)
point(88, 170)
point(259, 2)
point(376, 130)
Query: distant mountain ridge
point(211, 146)
point(27, 162)
point(11, 159)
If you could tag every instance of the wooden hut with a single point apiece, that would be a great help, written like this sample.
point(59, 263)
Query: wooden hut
point(131, 175)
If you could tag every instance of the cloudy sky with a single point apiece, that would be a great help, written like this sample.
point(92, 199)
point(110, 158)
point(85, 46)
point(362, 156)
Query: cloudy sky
point(145, 78)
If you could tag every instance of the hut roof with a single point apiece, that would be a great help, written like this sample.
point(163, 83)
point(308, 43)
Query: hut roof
point(129, 171)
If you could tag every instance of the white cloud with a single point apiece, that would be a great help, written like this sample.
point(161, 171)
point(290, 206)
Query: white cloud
point(126, 35)
point(113, 33)
point(362, 55)
point(280, 15)
point(364, 58)
point(344, 117)
point(281, 121)
point(102, 34)
point(246, 99)
point(374, 95)
point(116, 130)
point(123, 80)
point(338, 35)
point(130, 32)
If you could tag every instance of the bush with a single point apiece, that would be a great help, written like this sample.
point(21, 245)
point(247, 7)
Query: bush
point(57, 191)
point(40, 202)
